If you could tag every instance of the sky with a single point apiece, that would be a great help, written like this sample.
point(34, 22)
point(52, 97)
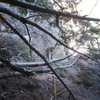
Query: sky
point(90, 8)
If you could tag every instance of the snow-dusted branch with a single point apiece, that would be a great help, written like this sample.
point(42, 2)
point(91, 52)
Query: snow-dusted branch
point(16, 68)
point(37, 64)
point(47, 10)
point(33, 72)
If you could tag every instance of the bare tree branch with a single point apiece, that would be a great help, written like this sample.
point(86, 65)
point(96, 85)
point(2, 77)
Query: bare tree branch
point(37, 52)
point(58, 5)
point(14, 74)
point(47, 10)
point(23, 20)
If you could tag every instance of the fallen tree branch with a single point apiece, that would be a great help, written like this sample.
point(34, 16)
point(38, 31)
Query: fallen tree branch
point(68, 65)
point(47, 10)
point(37, 52)
point(71, 64)
point(36, 64)
point(37, 71)
point(17, 74)
point(16, 68)
point(23, 20)
point(33, 72)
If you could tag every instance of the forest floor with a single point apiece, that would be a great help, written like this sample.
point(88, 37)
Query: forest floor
point(40, 87)
point(83, 81)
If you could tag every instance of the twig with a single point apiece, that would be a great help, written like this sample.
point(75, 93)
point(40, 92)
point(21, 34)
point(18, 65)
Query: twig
point(48, 90)
point(58, 5)
point(71, 64)
point(55, 88)
point(93, 7)
point(29, 38)
point(61, 92)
